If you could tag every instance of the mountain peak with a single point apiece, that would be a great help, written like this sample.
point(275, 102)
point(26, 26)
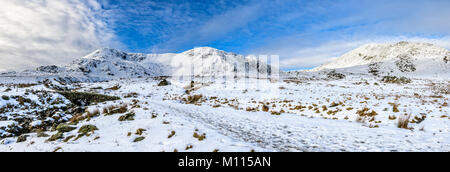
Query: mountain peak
point(106, 53)
point(205, 51)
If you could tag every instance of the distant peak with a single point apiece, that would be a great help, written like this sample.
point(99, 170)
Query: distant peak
point(108, 50)
point(105, 53)
point(205, 48)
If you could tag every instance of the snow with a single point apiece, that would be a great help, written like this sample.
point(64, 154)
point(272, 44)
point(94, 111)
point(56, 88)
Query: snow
point(36, 123)
point(231, 129)
point(297, 111)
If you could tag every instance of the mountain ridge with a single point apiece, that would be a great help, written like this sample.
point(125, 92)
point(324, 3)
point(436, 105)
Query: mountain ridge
point(107, 63)
point(373, 53)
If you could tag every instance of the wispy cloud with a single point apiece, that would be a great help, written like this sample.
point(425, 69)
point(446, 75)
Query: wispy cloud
point(216, 27)
point(41, 32)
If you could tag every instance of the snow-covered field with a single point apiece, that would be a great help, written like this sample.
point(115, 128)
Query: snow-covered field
point(300, 113)
point(379, 97)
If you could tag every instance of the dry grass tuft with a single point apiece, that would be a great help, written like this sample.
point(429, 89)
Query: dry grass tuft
point(199, 137)
point(171, 134)
point(265, 108)
point(393, 117)
point(365, 112)
point(111, 110)
point(140, 131)
point(403, 121)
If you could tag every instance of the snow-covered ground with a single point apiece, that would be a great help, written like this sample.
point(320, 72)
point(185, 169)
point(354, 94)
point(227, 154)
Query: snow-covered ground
point(379, 97)
point(301, 113)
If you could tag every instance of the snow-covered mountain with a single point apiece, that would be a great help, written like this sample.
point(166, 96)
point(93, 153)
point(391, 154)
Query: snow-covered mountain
point(206, 61)
point(403, 58)
point(106, 64)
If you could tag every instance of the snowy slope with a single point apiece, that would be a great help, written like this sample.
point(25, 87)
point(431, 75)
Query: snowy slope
point(403, 58)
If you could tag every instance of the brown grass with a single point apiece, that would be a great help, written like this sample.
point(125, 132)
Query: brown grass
point(393, 117)
point(403, 121)
point(189, 147)
point(365, 112)
point(111, 110)
point(171, 134)
point(199, 137)
point(140, 131)
point(114, 88)
point(265, 108)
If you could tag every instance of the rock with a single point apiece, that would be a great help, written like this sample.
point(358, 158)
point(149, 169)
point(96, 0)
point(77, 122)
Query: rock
point(127, 117)
point(164, 82)
point(64, 128)
point(87, 128)
point(396, 80)
point(334, 75)
point(42, 134)
point(56, 136)
point(405, 63)
point(83, 99)
point(5, 97)
point(22, 138)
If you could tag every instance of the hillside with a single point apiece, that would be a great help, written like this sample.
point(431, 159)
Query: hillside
point(403, 58)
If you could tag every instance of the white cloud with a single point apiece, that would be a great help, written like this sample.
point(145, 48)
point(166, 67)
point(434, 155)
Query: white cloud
point(42, 32)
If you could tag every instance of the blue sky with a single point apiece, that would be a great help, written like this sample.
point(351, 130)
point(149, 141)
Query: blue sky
point(305, 33)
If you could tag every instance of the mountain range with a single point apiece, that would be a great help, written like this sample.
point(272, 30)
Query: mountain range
point(403, 58)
